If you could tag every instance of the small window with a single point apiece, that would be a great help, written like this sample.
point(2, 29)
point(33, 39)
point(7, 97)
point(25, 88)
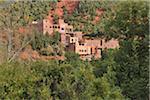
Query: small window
point(81, 44)
point(62, 28)
point(72, 40)
point(50, 27)
point(58, 26)
point(71, 35)
point(101, 42)
point(53, 27)
point(70, 30)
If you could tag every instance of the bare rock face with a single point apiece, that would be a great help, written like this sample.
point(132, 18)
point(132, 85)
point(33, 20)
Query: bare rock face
point(69, 5)
point(46, 58)
point(99, 13)
point(29, 54)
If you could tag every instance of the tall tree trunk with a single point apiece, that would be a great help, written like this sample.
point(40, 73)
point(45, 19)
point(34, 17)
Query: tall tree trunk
point(9, 44)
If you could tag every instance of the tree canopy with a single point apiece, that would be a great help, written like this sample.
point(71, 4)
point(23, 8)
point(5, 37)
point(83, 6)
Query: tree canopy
point(50, 80)
point(120, 73)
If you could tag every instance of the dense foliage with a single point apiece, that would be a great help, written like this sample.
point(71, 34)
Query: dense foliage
point(57, 80)
point(132, 69)
point(128, 21)
point(15, 14)
point(26, 12)
point(83, 16)
point(120, 74)
point(46, 44)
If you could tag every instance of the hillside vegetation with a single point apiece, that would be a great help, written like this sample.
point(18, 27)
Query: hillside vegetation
point(119, 75)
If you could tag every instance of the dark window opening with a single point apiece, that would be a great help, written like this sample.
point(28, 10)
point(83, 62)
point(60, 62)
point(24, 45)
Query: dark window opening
point(58, 26)
point(67, 46)
point(55, 26)
point(81, 44)
point(91, 50)
point(65, 21)
point(62, 28)
point(71, 35)
point(63, 7)
point(101, 42)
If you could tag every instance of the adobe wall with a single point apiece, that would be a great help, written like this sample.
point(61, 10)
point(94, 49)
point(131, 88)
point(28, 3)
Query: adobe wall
point(82, 50)
point(112, 44)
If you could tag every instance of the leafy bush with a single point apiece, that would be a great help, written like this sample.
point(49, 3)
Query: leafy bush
point(71, 56)
point(54, 80)
point(43, 43)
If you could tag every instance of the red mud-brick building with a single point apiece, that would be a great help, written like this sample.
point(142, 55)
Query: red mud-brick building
point(74, 40)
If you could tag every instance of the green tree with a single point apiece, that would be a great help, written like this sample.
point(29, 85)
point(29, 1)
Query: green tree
point(19, 81)
point(128, 21)
point(16, 14)
point(56, 38)
point(71, 57)
point(40, 41)
point(53, 80)
point(132, 70)
point(106, 77)
point(46, 44)
point(83, 16)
